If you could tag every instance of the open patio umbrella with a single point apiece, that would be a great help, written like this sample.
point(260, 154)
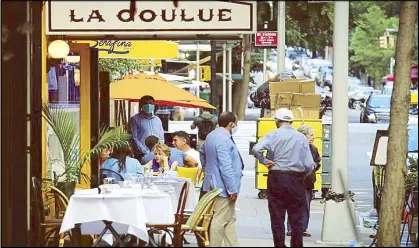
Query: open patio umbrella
point(133, 87)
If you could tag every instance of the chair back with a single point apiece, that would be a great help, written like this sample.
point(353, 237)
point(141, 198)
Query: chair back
point(191, 173)
point(106, 173)
point(182, 204)
point(60, 202)
point(205, 203)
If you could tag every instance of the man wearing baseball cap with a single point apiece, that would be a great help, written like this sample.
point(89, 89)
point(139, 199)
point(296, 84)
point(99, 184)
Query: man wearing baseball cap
point(288, 159)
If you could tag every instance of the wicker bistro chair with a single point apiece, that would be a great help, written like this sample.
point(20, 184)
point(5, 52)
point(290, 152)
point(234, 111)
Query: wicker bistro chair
point(201, 217)
point(60, 202)
point(173, 229)
point(46, 230)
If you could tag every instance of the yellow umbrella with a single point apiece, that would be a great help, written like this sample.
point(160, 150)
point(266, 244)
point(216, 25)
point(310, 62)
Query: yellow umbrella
point(133, 87)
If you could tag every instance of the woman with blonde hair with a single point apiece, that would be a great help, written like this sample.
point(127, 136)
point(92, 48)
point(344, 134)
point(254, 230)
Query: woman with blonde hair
point(162, 161)
point(309, 133)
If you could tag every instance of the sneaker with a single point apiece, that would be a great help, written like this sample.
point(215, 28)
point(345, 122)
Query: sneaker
point(289, 233)
point(306, 234)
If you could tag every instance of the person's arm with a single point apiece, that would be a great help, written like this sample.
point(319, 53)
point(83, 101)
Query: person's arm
point(202, 156)
point(196, 122)
point(316, 157)
point(306, 157)
point(189, 161)
point(260, 148)
point(226, 168)
point(138, 167)
point(174, 165)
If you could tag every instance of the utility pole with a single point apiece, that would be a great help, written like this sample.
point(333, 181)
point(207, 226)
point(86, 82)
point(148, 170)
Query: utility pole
point(281, 37)
point(224, 78)
point(338, 219)
point(214, 90)
point(230, 78)
point(265, 27)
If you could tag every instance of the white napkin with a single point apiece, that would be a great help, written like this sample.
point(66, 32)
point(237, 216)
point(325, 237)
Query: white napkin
point(94, 191)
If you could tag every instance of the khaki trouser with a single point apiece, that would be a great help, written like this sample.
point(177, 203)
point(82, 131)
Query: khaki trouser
point(223, 225)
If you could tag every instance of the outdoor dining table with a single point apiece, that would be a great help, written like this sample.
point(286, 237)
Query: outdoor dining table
point(125, 211)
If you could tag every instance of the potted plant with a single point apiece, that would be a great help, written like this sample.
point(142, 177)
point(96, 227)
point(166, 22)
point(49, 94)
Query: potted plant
point(67, 171)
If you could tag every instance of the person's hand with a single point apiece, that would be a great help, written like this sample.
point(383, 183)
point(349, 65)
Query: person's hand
point(165, 159)
point(270, 163)
point(233, 197)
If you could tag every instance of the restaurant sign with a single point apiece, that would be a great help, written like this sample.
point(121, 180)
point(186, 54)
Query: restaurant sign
point(150, 17)
point(147, 49)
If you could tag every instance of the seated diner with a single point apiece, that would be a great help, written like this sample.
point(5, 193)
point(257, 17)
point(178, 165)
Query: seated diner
point(120, 161)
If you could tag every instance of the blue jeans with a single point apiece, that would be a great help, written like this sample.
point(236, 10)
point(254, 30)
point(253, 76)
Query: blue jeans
point(307, 212)
point(286, 193)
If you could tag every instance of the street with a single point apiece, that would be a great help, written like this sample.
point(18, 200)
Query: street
point(252, 213)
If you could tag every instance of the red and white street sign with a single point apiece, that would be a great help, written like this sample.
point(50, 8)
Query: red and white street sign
point(266, 38)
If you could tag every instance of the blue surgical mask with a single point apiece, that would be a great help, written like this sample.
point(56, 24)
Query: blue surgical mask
point(148, 108)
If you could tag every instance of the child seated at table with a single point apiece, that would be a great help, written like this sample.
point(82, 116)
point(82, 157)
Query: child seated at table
point(121, 162)
point(162, 160)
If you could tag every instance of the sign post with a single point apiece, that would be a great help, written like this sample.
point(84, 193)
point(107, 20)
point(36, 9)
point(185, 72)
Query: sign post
point(266, 39)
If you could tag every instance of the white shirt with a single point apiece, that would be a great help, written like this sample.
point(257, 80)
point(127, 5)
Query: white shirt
point(195, 155)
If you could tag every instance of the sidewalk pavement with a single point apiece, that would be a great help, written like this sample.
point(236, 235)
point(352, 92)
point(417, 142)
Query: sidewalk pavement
point(253, 225)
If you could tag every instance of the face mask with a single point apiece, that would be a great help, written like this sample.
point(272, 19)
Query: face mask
point(235, 128)
point(148, 108)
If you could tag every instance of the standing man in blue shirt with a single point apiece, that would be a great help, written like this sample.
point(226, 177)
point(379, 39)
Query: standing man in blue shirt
point(223, 165)
point(144, 124)
point(288, 159)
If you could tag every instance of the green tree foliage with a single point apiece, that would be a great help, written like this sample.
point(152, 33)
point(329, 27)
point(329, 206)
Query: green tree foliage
point(365, 42)
point(118, 66)
point(308, 25)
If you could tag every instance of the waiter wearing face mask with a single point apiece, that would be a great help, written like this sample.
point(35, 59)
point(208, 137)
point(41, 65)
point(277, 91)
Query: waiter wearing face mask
point(143, 125)
point(223, 165)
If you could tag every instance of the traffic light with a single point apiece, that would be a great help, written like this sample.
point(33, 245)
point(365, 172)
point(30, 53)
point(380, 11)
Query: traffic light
point(383, 41)
point(204, 72)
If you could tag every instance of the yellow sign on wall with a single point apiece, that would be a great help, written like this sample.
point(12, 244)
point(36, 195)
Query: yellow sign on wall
point(135, 49)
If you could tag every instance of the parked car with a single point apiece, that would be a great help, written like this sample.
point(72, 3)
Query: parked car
point(327, 79)
point(315, 66)
point(355, 81)
point(388, 90)
point(357, 95)
point(321, 73)
point(376, 109)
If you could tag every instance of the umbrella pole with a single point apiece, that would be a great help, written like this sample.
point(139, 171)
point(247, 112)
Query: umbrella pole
point(129, 109)
point(116, 113)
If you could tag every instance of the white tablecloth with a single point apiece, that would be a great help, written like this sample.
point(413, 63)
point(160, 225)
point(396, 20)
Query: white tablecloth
point(177, 184)
point(128, 212)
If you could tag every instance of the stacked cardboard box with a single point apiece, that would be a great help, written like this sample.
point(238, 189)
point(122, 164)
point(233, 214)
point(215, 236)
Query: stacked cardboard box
point(298, 95)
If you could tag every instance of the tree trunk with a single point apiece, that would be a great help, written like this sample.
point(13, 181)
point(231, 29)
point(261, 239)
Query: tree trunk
point(247, 48)
point(394, 192)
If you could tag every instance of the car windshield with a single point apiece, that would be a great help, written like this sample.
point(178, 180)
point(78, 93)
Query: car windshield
point(380, 102)
point(352, 88)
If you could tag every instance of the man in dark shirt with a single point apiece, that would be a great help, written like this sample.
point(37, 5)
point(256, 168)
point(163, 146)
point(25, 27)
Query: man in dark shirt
point(206, 122)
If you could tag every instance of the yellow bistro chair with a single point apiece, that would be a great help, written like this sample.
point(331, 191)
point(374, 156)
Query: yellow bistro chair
point(191, 173)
